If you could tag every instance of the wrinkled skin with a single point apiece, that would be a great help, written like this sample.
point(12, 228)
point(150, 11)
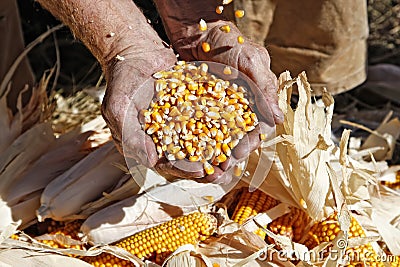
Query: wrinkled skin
point(181, 19)
point(144, 54)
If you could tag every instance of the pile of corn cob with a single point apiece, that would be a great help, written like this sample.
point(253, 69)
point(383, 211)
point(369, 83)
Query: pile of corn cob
point(197, 116)
point(294, 224)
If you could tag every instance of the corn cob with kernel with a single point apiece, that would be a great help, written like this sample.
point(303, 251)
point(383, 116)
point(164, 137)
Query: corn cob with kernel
point(160, 241)
point(328, 229)
point(291, 224)
point(251, 204)
point(67, 229)
point(196, 116)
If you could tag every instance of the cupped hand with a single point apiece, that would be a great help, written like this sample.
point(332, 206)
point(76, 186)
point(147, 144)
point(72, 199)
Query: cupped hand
point(249, 58)
point(128, 93)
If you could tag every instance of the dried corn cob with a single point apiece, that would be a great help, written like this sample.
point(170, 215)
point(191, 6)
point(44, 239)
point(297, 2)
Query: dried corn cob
point(327, 230)
point(197, 116)
point(159, 241)
point(292, 224)
point(66, 229)
point(252, 203)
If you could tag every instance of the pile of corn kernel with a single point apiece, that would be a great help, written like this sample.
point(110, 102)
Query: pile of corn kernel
point(197, 116)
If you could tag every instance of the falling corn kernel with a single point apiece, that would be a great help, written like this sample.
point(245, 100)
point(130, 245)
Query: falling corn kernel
point(206, 47)
point(208, 168)
point(219, 9)
point(226, 2)
point(227, 70)
point(202, 25)
point(239, 13)
point(240, 39)
point(225, 28)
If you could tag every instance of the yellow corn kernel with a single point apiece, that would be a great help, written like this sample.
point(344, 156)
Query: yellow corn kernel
point(240, 39)
point(219, 136)
point(226, 149)
point(221, 158)
point(227, 70)
point(188, 229)
point(206, 47)
point(202, 25)
point(156, 116)
point(208, 168)
point(219, 10)
point(263, 137)
point(194, 158)
point(153, 128)
point(239, 13)
point(225, 28)
point(252, 203)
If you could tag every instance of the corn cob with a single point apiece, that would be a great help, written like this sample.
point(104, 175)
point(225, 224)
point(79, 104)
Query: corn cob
point(159, 241)
point(327, 230)
point(66, 229)
point(197, 116)
point(251, 204)
point(292, 224)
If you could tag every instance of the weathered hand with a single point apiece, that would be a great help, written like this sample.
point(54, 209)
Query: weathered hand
point(181, 20)
point(127, 94)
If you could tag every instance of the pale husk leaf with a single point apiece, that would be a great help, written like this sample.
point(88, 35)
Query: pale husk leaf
point(148, 209)
point(187, 255)
point(62, 155)
point(24, 257)
point(384, 136)
point(95, 172)
point(15, 159)
point(301, 163)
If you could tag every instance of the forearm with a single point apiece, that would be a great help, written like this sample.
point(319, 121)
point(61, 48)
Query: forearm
point(104, 25)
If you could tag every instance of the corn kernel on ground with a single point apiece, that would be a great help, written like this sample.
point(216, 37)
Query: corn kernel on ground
point(197, 116)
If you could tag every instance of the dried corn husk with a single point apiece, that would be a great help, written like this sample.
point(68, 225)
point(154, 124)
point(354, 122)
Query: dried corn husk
point(14, 161)
point(62, 155)
point(22, 152)
point(384, 136)
point(24, 257)
point(86, 181)
point(299, 174)
point(150, 208)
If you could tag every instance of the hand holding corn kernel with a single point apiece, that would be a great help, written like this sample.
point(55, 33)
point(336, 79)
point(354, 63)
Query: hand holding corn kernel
point(198, 121)
point(129, 51)
point(218, 40)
